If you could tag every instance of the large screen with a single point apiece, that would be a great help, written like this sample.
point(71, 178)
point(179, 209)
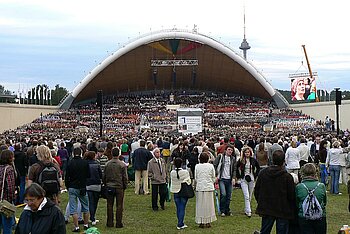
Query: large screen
point(189, 120)
point(303, 88)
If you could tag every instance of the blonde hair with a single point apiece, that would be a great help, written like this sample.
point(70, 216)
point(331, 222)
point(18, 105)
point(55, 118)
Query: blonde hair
point(294, 85)
point(43, 153)
point(293, 144)
point(336, 144)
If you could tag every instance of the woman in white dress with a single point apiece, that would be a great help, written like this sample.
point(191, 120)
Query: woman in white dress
point(204, 176)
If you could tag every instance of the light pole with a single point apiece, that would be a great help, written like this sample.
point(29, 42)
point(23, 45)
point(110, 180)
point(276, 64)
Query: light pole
point(337, 103)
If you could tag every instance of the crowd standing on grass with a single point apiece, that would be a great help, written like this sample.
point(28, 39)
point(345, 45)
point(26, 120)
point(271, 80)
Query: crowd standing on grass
point(233, 151)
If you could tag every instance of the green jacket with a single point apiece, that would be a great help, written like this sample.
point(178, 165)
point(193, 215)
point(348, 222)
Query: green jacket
point(301, 194)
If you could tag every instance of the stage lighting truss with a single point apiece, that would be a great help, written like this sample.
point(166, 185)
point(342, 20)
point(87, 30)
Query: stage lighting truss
point(299, 75)
point(173, 63)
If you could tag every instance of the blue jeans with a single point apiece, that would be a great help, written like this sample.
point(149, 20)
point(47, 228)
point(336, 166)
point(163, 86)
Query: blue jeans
point(64, 167)
point(126, 158)
point(180, 203)
point(225, 186)
point(93, 202)
point(6, 224)
point(67, 214)
point(323, 173)
point(74, 195)
point(22, 188)
point(334, 170)
point(282, 225)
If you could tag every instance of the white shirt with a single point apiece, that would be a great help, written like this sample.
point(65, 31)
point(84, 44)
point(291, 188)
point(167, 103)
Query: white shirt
point(309, 144)
point(173, 147)
point(304, 152)
point(134, 146)
point(184, 177)
point(204, 174)
point(248, 170)
point(292, 158)
point(333, 157)
point(227, 166)
point(342, 159)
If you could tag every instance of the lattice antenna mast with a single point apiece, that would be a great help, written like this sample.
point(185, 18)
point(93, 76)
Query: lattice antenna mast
point(244, 45)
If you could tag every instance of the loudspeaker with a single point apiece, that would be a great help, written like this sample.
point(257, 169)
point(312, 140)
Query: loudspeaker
point(99, 98)
point(338, 97)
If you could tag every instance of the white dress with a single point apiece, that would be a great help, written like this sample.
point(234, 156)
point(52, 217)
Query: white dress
point(205, 178)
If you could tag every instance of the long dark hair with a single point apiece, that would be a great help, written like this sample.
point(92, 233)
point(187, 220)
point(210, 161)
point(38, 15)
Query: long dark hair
point(177, 164)
point(6, 157)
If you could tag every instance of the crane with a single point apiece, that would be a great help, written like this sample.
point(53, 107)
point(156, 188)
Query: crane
point(310, 72)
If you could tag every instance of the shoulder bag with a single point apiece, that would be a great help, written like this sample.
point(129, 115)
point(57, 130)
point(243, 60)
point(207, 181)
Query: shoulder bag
point(6, 208)
point(186, 190)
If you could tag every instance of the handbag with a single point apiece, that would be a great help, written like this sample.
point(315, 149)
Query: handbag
point(6, 208)
point(103, 192)
point(186, 191)
point(248, 178)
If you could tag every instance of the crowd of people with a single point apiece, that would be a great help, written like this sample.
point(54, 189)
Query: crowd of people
point(276, 167)
point(130, 113)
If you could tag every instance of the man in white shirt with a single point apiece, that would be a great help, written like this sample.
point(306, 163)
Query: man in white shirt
point(304, 152)
point(225, 168)
point(134, 146)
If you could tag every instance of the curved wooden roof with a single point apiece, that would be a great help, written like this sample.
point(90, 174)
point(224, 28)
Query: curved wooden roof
point(220, 69)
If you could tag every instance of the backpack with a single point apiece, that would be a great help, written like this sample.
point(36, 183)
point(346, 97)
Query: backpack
point(312, 209)
point(49, 178)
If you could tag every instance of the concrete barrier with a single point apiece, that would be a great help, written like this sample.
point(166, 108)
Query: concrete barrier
point(15, 115)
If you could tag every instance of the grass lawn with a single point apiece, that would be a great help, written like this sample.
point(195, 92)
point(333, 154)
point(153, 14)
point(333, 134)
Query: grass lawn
point(139, 217)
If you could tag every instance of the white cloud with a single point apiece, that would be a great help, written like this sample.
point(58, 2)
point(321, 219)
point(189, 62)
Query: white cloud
point(275, 30)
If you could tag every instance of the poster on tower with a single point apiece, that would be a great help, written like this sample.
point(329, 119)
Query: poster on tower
point(190, 120)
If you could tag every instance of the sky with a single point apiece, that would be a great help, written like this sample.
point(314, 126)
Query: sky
point(59, 42)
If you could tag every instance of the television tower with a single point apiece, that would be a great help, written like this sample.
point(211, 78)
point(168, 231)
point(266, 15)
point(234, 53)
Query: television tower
point(244, 45)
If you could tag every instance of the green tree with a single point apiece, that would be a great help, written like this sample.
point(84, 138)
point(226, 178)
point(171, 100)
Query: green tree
point(57, 94)
point(3, 91)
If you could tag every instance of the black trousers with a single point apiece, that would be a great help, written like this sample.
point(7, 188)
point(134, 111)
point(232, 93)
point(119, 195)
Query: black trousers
point(116, 195)
point(161, 190)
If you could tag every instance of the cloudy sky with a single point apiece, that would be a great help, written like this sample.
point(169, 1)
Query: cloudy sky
point(59, 42)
